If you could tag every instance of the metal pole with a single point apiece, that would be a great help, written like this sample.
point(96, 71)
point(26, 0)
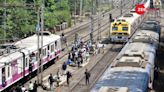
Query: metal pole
point(121, 8)
point(42, 29)
point(38, 42)
point(91, 29)
point(99, 23)
point(112, 4)
point(81, 7)
point(40, 49)
point(5, 22)
point(75, 13)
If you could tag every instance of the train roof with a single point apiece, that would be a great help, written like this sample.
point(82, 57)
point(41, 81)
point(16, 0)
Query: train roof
point(135, 54)
point(31, 42)
point(136, 79)
point(129, 17)
point(26, 45)
point(136, 47)
point(146, 36)
point(148, 26)
point(152, 22)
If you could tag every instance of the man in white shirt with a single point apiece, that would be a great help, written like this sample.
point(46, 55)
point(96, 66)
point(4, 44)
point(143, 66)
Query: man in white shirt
point(31, 86)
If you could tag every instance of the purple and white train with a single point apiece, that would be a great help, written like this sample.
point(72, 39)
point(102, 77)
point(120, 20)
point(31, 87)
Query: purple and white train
point(14, 65)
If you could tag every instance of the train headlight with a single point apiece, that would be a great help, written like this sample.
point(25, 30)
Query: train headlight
point(113, 33)
point(125, 34)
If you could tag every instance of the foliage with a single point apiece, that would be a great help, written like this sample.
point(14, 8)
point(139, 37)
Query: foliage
point(21, 21)
point(57, 13)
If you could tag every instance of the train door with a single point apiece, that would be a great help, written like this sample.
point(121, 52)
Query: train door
point(33, 57)
point(14, 70)
point(52, 48)
point(56, 43)
point(48, 50)
point(20, 65)
point(3, 77)
point(26, 63)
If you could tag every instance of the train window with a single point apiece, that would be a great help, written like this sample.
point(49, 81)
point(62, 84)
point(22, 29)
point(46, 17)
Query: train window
point(45, 51)
point(114, 28)
point(26, 62)
point(52, 48)
point(33, 57)
point(42, 52)
point(37, 57)
point(125, 28)
point(55, 43)
point(8, 71)
point(48, 47)
point(3, 77)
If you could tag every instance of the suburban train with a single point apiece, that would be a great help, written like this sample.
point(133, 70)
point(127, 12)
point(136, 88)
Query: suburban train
point(133, 68)
point(155, 3)
point(15, 62)
point(123, 27)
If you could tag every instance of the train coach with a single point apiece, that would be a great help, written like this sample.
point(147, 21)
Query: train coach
point(133, 68)
point(16, 63)
point(123, 27)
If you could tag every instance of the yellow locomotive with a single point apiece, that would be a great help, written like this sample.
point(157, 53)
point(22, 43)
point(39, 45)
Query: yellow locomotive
point(120, 31)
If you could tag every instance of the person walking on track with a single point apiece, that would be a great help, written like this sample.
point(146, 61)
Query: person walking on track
point(87, 76)
point(69, 75)
point(35, 86)
point(51, 80)
point(31, 87)
point(64, 67)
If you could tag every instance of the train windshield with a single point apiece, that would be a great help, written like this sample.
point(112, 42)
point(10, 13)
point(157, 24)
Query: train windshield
point(114, 28)
point(125, 28)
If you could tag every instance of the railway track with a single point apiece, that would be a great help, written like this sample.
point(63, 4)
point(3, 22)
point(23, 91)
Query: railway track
point(97, 70)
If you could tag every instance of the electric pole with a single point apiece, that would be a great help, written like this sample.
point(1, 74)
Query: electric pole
point(121, 8)
point(81, 9)
point(38, 45)
point(91, 28)
point(75, 12)
point(99, 21)
point(111, 4)
point(4, 22)
point(41, 49)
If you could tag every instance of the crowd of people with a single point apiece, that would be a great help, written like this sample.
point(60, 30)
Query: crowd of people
point(32, 87)
point(79, 54)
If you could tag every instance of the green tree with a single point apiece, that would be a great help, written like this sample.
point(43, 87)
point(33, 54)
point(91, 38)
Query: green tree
point(21, 21)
